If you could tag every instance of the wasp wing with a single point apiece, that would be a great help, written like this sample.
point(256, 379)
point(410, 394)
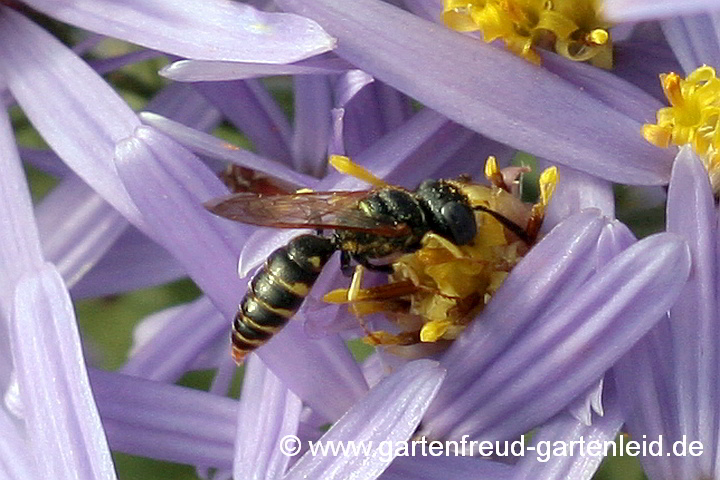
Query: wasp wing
point(321, 210)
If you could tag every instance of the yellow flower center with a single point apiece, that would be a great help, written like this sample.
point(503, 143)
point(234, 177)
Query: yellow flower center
point(437, 290)
point(572, 28)
point(692, 118)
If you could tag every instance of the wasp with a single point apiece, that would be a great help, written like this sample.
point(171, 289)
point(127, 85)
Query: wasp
point(362, 225)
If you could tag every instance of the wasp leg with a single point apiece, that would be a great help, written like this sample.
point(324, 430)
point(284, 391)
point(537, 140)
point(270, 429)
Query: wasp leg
point(345, 264)
point(386, 268)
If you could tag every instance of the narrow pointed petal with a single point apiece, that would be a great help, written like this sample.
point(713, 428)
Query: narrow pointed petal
point(184, 104)
point(170, 351)
point(208, 145)
point(311, 133)
point(19, 240)
point(497, 94)
point(165, 422)
point(45, 160)
point(208, 30)
point(62, 86)
point(694, 40)
point(268, 412)
point(693, 319)
point(61, 418)
point(77, 227)
point(635, 10)
point(205, 71)
point(390, 412)
point(133, 262)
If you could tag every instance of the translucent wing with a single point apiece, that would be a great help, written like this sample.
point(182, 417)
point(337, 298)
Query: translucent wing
point(323, 210)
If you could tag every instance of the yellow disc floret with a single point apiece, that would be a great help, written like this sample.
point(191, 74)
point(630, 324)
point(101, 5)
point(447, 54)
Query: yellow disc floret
point(437, 290)
point(572, 28)
point(692, 118)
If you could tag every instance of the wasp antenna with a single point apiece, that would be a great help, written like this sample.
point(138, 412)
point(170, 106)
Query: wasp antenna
point(509, 224)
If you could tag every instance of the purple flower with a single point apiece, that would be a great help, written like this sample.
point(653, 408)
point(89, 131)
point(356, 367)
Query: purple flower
point(128, 213)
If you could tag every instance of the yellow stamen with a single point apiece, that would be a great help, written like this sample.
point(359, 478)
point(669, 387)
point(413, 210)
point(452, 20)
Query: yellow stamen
point(348, 167)
point(437, 290)
point(693, 117)
point(493, 173)
point(572, 28)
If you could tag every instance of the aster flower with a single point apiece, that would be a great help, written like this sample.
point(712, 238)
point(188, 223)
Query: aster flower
point(158, 186)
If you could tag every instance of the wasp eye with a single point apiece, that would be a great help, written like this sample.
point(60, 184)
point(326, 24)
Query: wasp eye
point(460, 221)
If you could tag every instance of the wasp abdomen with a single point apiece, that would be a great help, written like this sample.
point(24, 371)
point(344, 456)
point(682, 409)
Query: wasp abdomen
point(277, 291)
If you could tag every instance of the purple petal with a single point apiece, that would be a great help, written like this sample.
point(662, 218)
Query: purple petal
point(268, 412)
point(694, 40)
point(644, 383)
point(311, 133)
point(165, 422)
point(691, 213)
point(50, 82)
point(77, 227)
point(586, 403)
point(168, 352)
point(169, 184)
point(208, 30)
point(576, 191)
point(497, 94)
point(19, 243)
point(460, 467)
point(182, 103)
point(552, 269)
point(614, 238)
point(45, 160)
point(634, 10)
point(107, 65)
point(330, 381)
point(61, 419)
point(564, 429)
point(203, 71)
point(133, 262)
point(248, 105)
point(16, 460)
point(390, 412)
point(428, 9)
point(207, 145)
point(572, 344)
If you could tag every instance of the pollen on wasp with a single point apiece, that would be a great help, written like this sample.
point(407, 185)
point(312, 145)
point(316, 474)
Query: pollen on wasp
point(435, 291)
point(571, 28)
point(692, 118)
